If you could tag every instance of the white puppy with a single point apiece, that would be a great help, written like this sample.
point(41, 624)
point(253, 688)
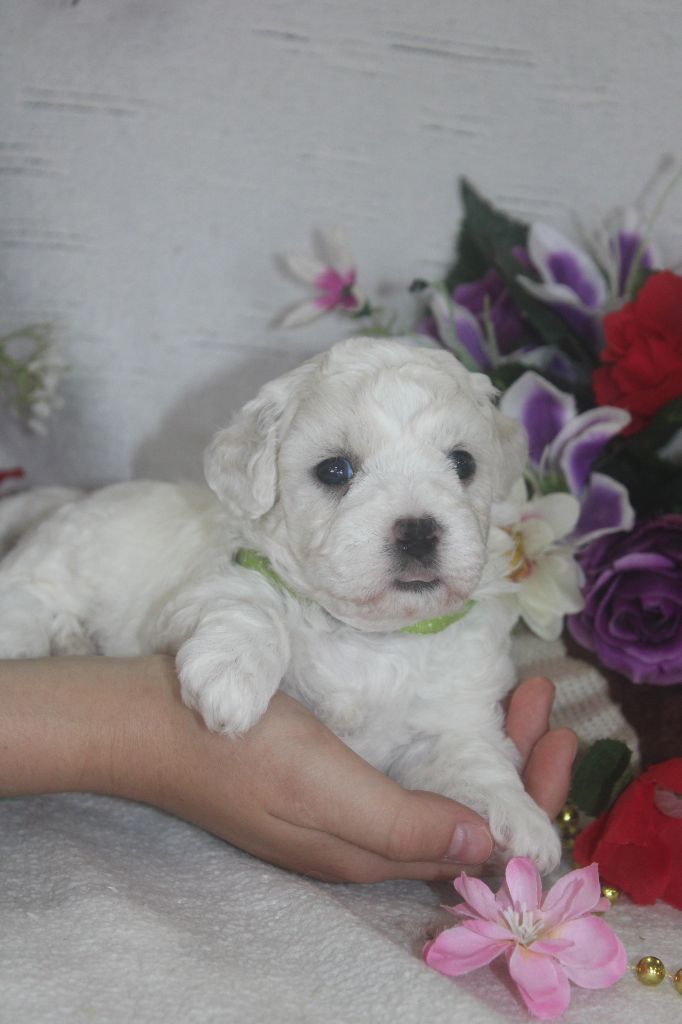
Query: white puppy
point(358, 490)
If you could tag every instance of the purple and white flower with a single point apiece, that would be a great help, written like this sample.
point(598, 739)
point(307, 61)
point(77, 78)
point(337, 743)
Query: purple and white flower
point(482, 324)
point(459, 330)
point(568, 275)
point(333, 280)
point(569, 279)
point(622, 250)
point(563, 446)
point(494, 307)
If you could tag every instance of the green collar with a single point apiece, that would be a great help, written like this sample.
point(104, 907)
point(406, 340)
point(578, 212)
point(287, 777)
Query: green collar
point(250, 559)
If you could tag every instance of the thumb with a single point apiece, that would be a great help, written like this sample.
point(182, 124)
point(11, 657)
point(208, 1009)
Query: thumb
point(376, 814)
point(421, 826)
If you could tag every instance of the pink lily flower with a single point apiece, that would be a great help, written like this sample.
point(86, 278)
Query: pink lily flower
point(548, 942)
point(333, 280)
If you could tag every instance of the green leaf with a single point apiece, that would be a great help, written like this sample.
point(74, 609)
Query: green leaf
point(485, 232)
point(492, 231)
point(597, 774)
point(505, 373)
point(488, 238)
point(470, 263)
point(640, 278)
point(418, 285)
point(666, 422)
point(551, 327)
point(654, 485)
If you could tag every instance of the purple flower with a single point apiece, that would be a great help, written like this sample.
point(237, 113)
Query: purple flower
point(563, 446)
point(489, 296)
point(621, 249)
point(570, 280)
point(481, 323)
point(456, 328)
point(632, 618)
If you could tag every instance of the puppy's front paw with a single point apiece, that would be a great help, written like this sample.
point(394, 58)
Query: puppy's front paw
point(522, 829)
point(230, 690)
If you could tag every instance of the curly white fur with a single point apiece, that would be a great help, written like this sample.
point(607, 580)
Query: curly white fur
point(144, 567)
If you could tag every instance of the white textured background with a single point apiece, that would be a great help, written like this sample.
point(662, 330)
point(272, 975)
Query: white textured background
point(156, 154)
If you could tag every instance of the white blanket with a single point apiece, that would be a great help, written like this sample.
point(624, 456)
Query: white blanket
point(114, 912)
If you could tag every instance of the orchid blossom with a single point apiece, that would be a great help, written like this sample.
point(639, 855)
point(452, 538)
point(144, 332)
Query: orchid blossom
point(548, 941)
point(540, 562)
point(334, 281)
point(563, 447)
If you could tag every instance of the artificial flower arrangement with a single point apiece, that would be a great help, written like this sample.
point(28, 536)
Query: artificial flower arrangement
point(584, 343)
point(31, 370)
point(585, 346)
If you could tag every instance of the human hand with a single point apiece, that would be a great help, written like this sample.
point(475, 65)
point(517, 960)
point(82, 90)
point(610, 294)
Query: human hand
point(293, 794)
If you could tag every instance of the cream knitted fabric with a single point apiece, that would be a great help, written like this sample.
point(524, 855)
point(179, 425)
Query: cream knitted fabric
point(582, 698)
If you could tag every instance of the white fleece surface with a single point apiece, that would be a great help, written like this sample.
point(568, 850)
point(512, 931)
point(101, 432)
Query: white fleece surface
point(114, 912)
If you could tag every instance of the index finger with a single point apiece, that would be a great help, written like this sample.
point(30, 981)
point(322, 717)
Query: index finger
point(528, 713)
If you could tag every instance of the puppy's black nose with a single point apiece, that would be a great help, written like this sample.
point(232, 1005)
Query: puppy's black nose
point(417, 538)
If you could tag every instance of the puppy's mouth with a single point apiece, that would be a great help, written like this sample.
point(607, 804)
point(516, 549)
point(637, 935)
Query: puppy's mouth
point(417, 582)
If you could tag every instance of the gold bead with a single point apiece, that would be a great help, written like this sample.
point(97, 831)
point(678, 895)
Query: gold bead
point(568, 821)
point(612, 894)
point(650, 970)
point(677, 980)
point(568, 815)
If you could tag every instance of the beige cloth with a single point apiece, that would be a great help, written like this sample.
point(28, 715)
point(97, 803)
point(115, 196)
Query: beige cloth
point(115, 913)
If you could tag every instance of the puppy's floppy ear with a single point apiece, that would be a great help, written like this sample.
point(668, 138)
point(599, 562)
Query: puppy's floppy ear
point(511, 440)
point(240, 463)
point(513, 447)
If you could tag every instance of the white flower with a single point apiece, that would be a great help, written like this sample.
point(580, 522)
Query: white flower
point(47, 368)
point(547, 577)
point(334, 281)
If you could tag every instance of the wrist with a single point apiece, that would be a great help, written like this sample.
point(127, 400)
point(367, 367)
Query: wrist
point(84, 724)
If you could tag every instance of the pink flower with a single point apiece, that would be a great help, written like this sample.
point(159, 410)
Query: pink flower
point(547, 942)
point(333, 280)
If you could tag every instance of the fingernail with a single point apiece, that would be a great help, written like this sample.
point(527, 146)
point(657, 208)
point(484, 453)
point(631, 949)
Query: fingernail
point(470, 844)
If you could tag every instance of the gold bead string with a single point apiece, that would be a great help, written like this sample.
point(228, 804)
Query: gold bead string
point(651, 971)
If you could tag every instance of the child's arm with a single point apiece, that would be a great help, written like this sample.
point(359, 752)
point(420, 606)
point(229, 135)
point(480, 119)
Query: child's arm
point(289, 791)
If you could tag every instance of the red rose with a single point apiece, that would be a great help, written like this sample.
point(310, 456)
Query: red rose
point(638, 843)
point(642, 359)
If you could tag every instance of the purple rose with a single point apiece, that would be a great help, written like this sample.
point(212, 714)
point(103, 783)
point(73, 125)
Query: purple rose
point(632, 617)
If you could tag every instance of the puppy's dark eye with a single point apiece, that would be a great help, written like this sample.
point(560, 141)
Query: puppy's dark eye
point(335, 471)
point(464, 463)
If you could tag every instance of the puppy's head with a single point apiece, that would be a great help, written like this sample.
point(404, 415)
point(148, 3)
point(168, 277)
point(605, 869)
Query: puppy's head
point(367, 476)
